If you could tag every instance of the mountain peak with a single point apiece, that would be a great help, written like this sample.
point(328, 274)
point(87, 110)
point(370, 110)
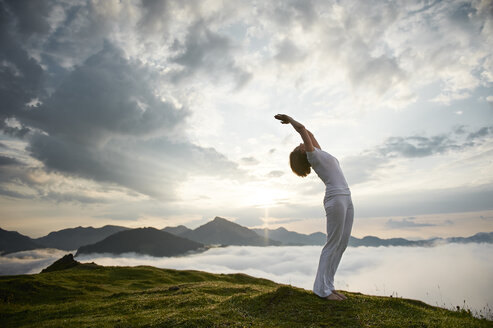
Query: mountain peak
point(221, 231)
point(218, 219)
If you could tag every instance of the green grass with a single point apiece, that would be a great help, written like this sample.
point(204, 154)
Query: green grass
point(150, 297)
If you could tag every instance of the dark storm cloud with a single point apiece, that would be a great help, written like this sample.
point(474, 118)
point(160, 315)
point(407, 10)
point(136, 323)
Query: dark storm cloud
point(206, 52)
point(106, 96)
point(21, 76)
point(31, 15)
point(102, 119)
point(5, 161)
point(406, 223)
point(105, 123)
point(14, 131)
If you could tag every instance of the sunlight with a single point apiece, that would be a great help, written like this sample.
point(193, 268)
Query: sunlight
point(263, 197)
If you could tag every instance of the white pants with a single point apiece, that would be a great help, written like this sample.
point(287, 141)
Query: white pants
point(340, 212)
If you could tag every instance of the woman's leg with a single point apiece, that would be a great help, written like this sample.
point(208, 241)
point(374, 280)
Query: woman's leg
point(346, 234)
point(336, 209)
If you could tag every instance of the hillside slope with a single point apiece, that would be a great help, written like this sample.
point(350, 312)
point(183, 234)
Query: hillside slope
point(95, 296)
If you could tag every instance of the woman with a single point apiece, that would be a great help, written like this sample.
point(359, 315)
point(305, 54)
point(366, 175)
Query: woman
point(337, 202)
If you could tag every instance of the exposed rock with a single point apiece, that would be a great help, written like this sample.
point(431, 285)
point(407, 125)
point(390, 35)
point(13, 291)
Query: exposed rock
point(64, 263)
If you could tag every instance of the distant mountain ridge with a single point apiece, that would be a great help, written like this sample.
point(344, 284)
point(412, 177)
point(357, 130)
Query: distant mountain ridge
point(480, 237)
point(73, 238)
point(216, 232)
point(294, 238)
point(148, 241)
point(12, 241)
point(372, 241)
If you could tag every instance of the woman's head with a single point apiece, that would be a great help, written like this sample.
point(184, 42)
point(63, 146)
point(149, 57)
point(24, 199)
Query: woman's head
point(299, 162)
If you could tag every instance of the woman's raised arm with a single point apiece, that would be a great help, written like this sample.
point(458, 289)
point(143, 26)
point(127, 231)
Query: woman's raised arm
point(300, 128)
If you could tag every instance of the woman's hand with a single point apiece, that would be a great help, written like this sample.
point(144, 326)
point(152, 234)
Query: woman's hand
point(285, 119)
point(300, 128)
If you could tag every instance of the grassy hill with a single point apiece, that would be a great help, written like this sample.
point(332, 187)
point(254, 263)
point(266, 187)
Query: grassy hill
point(96, 296)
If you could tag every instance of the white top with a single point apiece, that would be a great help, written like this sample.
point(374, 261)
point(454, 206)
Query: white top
point(328, 169)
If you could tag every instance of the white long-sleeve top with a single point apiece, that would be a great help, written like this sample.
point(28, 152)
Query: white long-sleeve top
point(329, 171)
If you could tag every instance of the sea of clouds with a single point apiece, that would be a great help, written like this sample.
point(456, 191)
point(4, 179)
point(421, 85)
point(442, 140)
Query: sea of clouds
point(446, 275)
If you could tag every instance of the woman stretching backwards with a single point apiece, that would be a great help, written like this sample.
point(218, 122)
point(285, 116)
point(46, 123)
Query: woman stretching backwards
point(337, 202)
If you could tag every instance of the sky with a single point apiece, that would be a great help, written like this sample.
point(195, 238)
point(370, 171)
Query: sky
point(160, 113)
point(429, 274)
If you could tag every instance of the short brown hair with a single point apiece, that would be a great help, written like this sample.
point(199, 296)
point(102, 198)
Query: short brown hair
point(299, 163)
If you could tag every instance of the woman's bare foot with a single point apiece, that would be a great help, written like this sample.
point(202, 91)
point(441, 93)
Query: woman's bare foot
point(340, 295)
point(334, 297)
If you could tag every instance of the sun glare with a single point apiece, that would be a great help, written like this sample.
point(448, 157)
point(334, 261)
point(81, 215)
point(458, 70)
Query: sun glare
point(264, 198)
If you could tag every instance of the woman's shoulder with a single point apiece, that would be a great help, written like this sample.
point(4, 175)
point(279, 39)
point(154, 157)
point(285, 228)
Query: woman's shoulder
point(315, 149)
point(313, 156)
point(313, 152)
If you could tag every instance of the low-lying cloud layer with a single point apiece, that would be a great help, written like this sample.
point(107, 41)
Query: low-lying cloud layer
point(27, 262)
point(444, 275)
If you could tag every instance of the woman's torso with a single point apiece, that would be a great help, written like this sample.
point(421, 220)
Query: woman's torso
point(329, 171)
